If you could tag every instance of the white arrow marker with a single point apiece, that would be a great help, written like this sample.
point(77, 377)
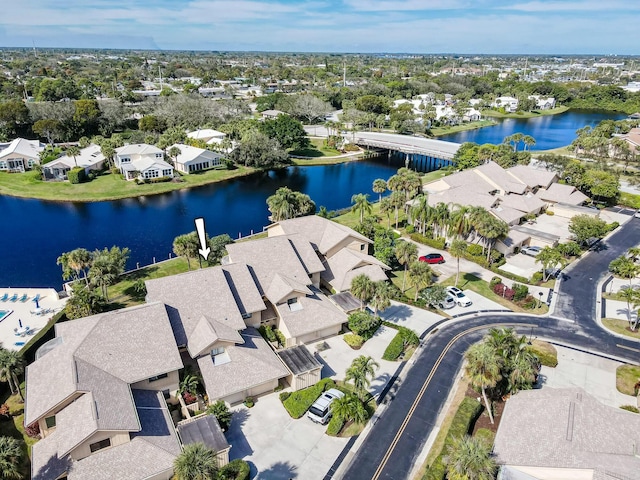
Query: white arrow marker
point(204, 248)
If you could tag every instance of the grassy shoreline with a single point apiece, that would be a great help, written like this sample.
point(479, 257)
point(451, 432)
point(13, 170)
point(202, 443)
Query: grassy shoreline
point(440, 131)
point(533, 114)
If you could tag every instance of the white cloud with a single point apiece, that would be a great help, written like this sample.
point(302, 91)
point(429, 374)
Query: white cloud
point(406, 5)
point(569, 6)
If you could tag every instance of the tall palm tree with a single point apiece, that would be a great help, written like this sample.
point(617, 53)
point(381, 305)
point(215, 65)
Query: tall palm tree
point(491, 230)
point(73, 152)
point(381, 298)
point(361, 204)
point(524, 371)
point(349, 408)
point(528, 141)
point(457, 249)
point(174, 152)
point(406, 253)
point(361, 372)
point(386, 207)
point(484, 370)
point(459, 222)
point(11, 365)
point(80, 260)
point(108, 152)
point(10, 457)
point(282, 204)
point(397, 200)
point(362, 288)
point(469, 458)
point(440, 219)
point(420, 277)
point(420, 212)
point(379, 187)
point(196, 462)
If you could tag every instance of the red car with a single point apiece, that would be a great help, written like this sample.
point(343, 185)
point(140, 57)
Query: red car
point(432, 258)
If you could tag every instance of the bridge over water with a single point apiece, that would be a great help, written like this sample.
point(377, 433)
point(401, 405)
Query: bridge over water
point(424, 154)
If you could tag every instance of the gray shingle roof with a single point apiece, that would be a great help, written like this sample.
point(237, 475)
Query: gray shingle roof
point(207, 332)
point(244, 288)
point(282, 286)
point(567, 428)
point(205, 429)
point(560, 193)
point(77, 422)
point(498, 175)
point(322, 233)
point(191, 295)
point(347, 263)
point(533, 177)
point(312, 313)
point(252, 363)
point(299, 359)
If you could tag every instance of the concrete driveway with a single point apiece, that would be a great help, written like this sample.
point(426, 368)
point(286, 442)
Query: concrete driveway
point(479, 303)
point(278, 447)
point(520, 264)
point(407, 316)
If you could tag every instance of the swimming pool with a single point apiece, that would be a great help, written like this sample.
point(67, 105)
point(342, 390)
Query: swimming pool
point(4, 314)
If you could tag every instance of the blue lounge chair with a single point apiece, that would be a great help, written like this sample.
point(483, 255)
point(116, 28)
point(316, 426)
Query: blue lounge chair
point(36, 298)
point(14, 298)
point(19, 344)
point(5, 297)
point(24, 298)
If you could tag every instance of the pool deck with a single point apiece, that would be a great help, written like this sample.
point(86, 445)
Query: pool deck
point(25, 311)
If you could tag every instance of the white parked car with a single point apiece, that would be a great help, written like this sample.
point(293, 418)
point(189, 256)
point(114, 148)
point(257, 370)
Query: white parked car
point(320, 411)
point(447, 303)
point(460, 298)
point(532, 251)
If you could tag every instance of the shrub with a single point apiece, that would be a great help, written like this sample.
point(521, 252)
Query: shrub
point(509, 275)
point(76, 175)
point(350, 147)
point(550, 213)
point(630, 408)
point(249, 402)
point(267, 332)
point(284, 396)
point(536, 277)
point(364, 324)
point(612, 226)
point(520, 292)
point(438, 243)
point(236, 469)
point(222, 414)
point(353, 340)
point(474, 249)
point(282, 340)
point(486, 436)
point(529, 302)
point(410, 229)
point(299, 402)
point(158, 180)
point(495, 281)
point(114, 170)
point(504, 291)
point(334, 426)
point(404, 338)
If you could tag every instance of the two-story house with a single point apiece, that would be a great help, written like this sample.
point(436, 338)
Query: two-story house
point(97, 393)
point(142, 161)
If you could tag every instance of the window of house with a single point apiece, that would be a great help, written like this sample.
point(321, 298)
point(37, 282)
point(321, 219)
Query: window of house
point(3, 164)
point(293, 300)
point(217, 351)
point(166, 173)
point(151, 174)
point(94, 447)
point(166, 394)
point(31, 162)
point(362, 247)
point(246, 316)
point(158, 155)
point(158, 377)
point(50, 422)
point(125, 160)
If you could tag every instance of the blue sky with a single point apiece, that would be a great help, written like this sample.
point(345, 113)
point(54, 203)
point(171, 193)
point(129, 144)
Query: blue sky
point(416, 26)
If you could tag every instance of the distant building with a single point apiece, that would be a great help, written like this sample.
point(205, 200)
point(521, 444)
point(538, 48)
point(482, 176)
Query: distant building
point(20, 155)
point(510, 104)
point(194, 159)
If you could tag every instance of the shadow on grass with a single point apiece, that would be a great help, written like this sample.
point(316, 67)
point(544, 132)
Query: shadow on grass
point(307, 152)
point(466, 279)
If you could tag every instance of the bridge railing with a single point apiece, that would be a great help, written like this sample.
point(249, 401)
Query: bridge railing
point(403, 147)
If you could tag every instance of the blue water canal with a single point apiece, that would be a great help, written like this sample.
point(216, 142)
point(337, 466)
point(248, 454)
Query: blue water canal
point(36, 232)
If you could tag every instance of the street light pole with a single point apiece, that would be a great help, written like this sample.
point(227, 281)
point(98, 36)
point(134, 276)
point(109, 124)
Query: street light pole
point(540, 301)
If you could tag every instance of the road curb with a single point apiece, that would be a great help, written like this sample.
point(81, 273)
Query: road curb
point(599, 303)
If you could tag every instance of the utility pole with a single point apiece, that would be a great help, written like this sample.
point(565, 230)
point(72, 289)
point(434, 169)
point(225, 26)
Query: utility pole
point(344, 73)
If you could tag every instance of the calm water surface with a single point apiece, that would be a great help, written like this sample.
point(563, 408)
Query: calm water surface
point(35, 232)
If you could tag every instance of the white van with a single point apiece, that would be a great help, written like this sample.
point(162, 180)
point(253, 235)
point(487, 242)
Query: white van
point(320, 411)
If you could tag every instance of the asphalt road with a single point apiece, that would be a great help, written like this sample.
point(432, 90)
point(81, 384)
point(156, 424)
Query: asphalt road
point(396, 440)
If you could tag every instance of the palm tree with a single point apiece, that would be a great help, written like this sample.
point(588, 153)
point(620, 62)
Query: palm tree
point(386, 207)
point(406, 253)
point(420, 212)
point(196, 462)
point(349, 408)
point(189, 384)
point(484, 370)
point(361, 204)
point(397, 200)
point(108, 152)
point(381, 298)
point(362, 288)
point(458, 249)
point(528, 141)
point(361, 372)
point(469, 458)
point(549, 257)
point(379, 187)
point(420, 277)
point(183, 247)
point(632, 297)
point(173, 153)
point(10, 457)
point(459, 222)
point(524, 371)
point(73, 151)
point(282, 204)
point(11, 365)
point(492, 229)
point(440, 215)
point(80, 260)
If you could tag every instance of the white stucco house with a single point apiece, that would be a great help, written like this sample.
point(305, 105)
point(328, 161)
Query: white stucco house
point(510, 104)
point(208, 135)
point(194, 159)
point(90, 158)
point(142, 161)
point(20, 155)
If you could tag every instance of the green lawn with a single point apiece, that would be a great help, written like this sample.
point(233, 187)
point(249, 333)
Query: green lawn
point(557, 151)
point(438, 131)
point(123, 294)
point(432, 176)
point(626, 377)
point(621, 327)
point(475, 284)
point(105, 187)
point(316, 149)
point(629, 200)
point(533, 114)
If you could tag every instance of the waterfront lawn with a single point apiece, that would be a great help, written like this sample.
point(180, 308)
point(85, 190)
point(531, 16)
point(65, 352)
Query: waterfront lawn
point(316, 149)
point(433, 176)
point(106, 186)
point(124, 294)
point(532, 114)
point(438, 131)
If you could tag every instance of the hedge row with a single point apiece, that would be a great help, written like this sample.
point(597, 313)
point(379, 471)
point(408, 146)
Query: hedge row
point(297, 403)
point(334, 426)
point(403, 338)
point(462, 424)
point(438, 243)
